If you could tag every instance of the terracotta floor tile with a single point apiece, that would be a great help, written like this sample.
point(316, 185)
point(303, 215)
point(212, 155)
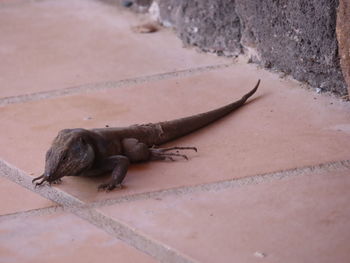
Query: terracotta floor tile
point(267, 135)
point(282, 128)
point(15, 198)
point(302, 219)
point(49, 45)
point(61, 238)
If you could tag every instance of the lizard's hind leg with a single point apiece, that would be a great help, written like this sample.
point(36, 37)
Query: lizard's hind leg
point(137, 151)
point(163, 153)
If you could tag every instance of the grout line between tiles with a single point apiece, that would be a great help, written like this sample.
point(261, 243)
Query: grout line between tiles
point(133, 237)
point(108, 85)
point(32, 212)
point(130, 236)
point(233, 183)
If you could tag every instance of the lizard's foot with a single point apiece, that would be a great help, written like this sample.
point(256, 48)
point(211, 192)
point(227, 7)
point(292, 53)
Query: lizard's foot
point(174, 148)
point(163, 153)
point(109, 187)
point(57, 181)
point(37, 179)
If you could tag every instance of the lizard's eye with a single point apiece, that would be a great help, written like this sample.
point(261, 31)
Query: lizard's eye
point(82, 140)
point(64, 157)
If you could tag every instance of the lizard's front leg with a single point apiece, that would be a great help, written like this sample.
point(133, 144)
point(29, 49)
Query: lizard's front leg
point(120, 166)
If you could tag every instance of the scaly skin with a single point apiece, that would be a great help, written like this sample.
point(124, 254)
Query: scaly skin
point(81, 152)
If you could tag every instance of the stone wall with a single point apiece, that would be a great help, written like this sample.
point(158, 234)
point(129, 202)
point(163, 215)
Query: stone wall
point(295, 37)
point(343, 36)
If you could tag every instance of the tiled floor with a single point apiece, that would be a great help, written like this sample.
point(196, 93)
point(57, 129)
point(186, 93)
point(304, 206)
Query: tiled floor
point(268, 184)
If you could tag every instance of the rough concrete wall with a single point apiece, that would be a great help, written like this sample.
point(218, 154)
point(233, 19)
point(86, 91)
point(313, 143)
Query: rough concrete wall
point(138, 6)
point(213, 26)
point(296, 37)
point(343, 36)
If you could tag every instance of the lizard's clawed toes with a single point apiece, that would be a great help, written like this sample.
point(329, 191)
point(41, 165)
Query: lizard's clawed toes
point(109, 187)
point(164, 154)
point(178, 148)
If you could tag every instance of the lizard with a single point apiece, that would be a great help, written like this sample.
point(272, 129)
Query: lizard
point(94, 152)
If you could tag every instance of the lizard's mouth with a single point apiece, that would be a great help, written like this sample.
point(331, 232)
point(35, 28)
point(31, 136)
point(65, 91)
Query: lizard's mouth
point(44, 178)
point(54, 178)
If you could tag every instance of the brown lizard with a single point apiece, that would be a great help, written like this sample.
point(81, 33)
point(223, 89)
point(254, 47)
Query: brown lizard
point(81, 152)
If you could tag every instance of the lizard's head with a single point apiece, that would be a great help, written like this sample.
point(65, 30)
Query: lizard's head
point(70, 154)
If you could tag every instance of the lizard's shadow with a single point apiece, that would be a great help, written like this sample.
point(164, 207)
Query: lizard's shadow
point(135, 169)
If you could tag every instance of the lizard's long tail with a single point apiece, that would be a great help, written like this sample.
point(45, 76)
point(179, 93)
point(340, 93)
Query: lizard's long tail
point(162, 132)
point(176, 128)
